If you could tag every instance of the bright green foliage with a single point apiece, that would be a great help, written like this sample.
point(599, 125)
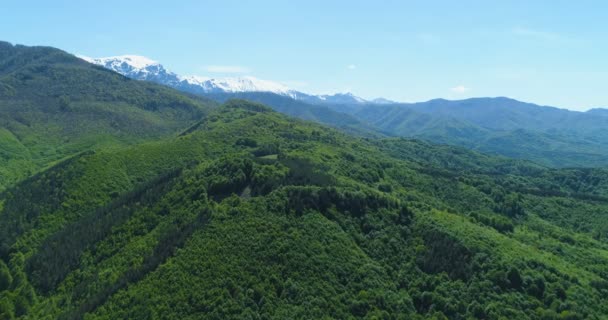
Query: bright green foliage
point(302, 110)
point(6, 279)
point(548, 136)
point(249, 214)
point(54, 105)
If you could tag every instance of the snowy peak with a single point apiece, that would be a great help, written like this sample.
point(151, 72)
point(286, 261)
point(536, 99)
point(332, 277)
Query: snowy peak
point(126, 63)
point(137, 62)
point(237, 84)
point(343, 98)
point(194, 80)
point(143, 68)
point(137, 67)
point(338, 98)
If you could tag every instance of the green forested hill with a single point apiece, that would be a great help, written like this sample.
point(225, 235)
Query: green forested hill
point(549, 136)
point(302, 110)
point(54, 105)
point(546, 135)
point(250, 214)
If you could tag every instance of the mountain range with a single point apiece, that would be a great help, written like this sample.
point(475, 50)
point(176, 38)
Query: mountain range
point(547, 135)
point(143, 68)
point(502, 126)
point(127, 199)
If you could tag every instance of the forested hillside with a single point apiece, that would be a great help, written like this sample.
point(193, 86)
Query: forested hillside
point(549, 136)
point(54, 105)
point(546, 135)
point(250, 214)
point(302, 110)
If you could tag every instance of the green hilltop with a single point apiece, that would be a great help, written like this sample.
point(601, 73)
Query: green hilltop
point(54, 105)
point(250, 214)
point(197, 211)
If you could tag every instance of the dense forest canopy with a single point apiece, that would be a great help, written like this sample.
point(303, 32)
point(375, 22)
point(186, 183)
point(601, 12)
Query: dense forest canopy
point(54, 105)
point(240, 212)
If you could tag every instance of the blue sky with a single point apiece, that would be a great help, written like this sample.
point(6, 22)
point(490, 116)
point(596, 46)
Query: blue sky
point(546, 52)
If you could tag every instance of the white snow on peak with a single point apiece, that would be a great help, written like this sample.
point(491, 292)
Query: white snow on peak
point(194, 80)
point(346, 97)
point(137, 62)
point(143, 68)
point(140, 67)
point(236, 84)
point(248, 83)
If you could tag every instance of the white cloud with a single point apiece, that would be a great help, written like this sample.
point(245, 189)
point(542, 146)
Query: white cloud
point(227, 69)
point(351, 67)
point(428, 38)
point(537, 34)
point(460, 89)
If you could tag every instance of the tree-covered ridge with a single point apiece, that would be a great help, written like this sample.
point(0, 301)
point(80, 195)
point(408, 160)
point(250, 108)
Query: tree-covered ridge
point(54, 105)
point(546, 135)
point(302, 110)
point(249, 214)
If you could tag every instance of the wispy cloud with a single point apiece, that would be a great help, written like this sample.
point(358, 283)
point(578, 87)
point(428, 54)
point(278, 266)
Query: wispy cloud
point(460, 89)
point(351, 67)
point(428, 38)
point(226, 69)
point(537, 34)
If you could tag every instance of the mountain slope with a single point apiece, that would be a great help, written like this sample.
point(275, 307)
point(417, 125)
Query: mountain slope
point(279, 97)
point(143, 68)
point(252, 214)
point(305, 111)
point(547, 135)
point(550, 136)
point(53, 105)
point(509, 114)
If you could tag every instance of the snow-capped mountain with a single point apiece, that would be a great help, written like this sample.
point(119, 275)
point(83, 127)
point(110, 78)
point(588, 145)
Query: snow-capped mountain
point(337, 98)
point(238, 84)
point(137, 67)
point(143, 68)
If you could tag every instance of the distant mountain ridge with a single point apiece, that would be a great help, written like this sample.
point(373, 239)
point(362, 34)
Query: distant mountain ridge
point(547, 135)
point(598, 111)
point(294, 103)
point(143, 68)
point(499, 113)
